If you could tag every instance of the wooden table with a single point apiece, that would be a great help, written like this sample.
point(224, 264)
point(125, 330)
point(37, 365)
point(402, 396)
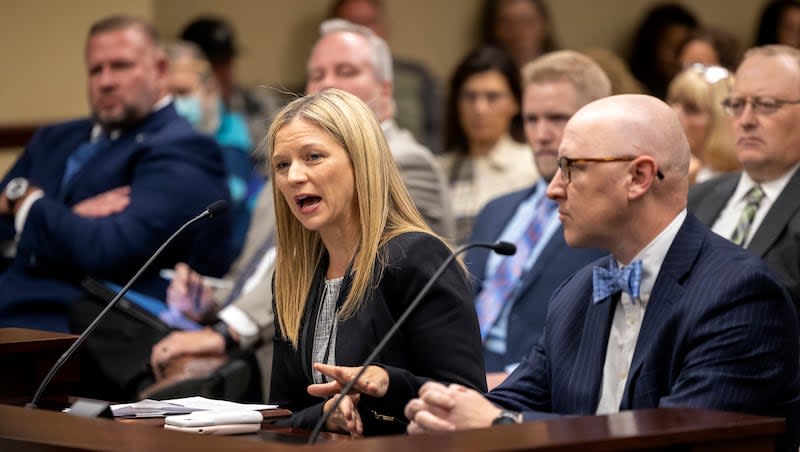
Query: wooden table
point(661, 429)
point(30, 354)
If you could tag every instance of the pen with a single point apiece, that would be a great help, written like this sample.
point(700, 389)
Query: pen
point(196, 290)
point(216, 283)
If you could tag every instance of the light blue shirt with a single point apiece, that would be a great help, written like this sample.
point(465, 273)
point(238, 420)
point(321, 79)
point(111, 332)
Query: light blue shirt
point(496, 338)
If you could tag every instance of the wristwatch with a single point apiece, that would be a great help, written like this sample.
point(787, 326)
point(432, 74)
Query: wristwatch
point(508, 417)
point(15, 191)
point(223, 329)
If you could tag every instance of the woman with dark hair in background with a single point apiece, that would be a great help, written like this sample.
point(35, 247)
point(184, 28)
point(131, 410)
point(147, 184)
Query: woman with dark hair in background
point(654, 55)
point(486, 155)
point(779, 24)
point(711, 46)
point(520, 27)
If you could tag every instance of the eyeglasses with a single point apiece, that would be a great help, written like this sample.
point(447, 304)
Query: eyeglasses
point(712, 74)
point(565, 165)
point(764, 106)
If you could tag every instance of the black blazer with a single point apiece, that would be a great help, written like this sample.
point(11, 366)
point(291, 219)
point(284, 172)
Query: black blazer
point(777, 240)
point(439, 341)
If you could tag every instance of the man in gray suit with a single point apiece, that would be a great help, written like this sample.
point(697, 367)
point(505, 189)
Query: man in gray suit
point(354, 59)
point(759, 208)
point(243, 311)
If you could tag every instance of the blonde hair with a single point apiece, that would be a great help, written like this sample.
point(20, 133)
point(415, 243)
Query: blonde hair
point(622, 81)
point(385, 208)
point(588, 79)
point(692, 86)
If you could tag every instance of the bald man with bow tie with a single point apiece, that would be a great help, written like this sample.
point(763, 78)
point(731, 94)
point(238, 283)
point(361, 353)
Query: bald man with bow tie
point(675, 316)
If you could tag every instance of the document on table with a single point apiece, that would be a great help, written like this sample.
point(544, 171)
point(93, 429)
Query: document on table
point(156, 408)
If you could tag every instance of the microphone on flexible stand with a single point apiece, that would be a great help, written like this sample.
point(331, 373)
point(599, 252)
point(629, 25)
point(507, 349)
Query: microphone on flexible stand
point(213, 210)
point(503, 248)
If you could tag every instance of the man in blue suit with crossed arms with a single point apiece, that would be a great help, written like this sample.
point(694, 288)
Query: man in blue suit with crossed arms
point(676, 316)
point(96, 196)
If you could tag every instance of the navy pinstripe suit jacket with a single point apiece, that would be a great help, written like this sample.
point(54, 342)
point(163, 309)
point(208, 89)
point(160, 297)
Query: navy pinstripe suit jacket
point(719, 332)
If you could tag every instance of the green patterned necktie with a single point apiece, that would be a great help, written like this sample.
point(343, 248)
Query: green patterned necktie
point(753, 199)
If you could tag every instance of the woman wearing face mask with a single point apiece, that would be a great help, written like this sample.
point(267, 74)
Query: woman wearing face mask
point(197, 99)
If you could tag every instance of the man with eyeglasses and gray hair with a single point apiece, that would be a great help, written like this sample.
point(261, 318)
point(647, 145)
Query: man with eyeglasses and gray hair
point(354, 59)
point(759, 208)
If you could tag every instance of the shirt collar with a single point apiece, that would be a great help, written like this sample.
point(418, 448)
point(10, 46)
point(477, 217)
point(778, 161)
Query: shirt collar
point(541, 187)
point(388, 125)
point(653, 254)
point(97, 129)
point(163, 102)
point(772, 189)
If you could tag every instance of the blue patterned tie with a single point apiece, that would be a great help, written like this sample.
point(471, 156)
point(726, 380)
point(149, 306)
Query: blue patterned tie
point(80, 156)
point(610, 281)
point(489, 303)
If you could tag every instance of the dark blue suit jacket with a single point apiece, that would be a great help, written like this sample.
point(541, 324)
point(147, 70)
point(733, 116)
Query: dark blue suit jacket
point(719, 332)
point(555, 264)
point(174, 173)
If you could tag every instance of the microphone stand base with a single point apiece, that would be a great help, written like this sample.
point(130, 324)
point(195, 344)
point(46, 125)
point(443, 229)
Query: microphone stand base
point(91, 408)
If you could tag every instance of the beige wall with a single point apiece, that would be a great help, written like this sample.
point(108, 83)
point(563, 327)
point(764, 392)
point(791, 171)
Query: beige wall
point(612, 22)
point(277, 34)
point(7, 158)
point(42, 40)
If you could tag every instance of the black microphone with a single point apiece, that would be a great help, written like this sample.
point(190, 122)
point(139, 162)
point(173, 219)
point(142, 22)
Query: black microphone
point(504, 248)
point(215, 209)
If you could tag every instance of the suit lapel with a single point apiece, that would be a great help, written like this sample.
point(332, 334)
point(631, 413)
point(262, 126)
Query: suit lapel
point(546, 257)
point(53, 185)
point(779, 214)
point(501, 215)
point(89, 166)
point(715, 201)
point(590, 359)
point(668, 287)
point(125, 143)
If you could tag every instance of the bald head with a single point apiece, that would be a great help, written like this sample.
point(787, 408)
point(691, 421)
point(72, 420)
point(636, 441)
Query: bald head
point(624, 164)
point(635, 125)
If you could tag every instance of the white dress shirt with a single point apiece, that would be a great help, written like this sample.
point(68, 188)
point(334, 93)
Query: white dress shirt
point(729, 217)
point(235, 317)
point(628, 317)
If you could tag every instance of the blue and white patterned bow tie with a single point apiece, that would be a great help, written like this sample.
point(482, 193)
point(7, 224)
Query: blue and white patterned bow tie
point(607, 282)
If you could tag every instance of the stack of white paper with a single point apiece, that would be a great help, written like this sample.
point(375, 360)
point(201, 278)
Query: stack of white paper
point(155, 408)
